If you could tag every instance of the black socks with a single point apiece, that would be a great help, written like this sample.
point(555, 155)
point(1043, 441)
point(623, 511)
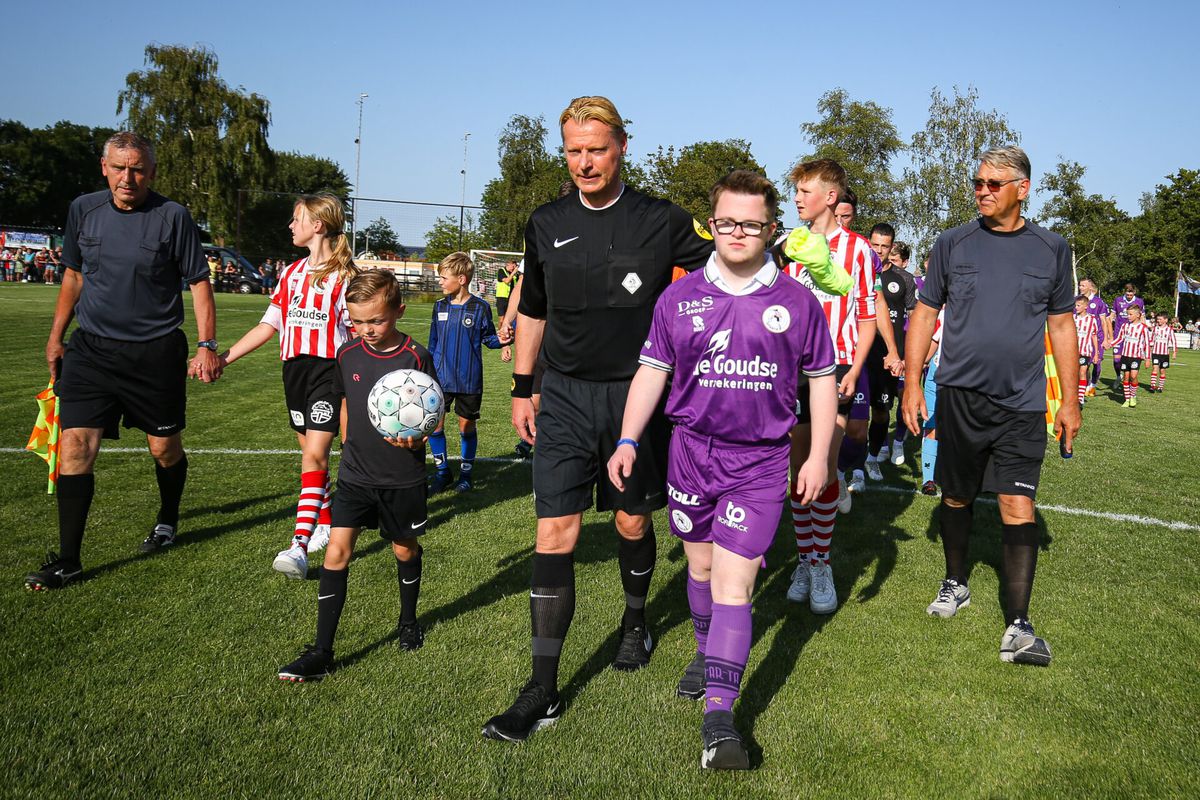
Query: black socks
point(956, 530)
point(1020, 544)
point(74, 494)
point(636, 559)
point(170, 490)
point(331, 599)
point(408, 573)
point(551, 607)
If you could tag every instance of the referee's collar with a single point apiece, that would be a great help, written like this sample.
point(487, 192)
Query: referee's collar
point(766, 276)
point(614, 201)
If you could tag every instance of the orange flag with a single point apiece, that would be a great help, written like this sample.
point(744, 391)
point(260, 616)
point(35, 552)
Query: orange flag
point(44, 439)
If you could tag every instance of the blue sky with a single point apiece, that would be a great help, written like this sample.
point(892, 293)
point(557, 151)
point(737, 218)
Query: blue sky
point(1097, 82)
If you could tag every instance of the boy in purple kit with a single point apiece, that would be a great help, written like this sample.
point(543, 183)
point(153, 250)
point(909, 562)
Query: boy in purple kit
point(738, 336)
point(1098, 309)
point(1119, 316)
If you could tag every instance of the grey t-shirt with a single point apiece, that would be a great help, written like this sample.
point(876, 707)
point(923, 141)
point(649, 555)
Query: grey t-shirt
point(997, 289)
point(133, 265)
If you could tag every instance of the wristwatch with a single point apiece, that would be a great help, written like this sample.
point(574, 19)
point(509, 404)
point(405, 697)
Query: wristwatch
point(211, 344)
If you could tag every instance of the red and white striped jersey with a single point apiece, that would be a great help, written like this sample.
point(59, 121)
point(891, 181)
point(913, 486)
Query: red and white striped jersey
point(1086, 330)
point(1135, 340)
point(1163, 341)
point(843, 313)
point(311, 320)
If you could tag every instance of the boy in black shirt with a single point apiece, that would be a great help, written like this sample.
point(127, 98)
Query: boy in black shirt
point(381, 481)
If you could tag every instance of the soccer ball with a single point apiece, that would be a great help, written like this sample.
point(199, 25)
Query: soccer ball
point(405, 403)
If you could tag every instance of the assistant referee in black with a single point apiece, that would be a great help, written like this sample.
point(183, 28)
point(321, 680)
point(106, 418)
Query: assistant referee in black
point(127, 252)
point(595, 262)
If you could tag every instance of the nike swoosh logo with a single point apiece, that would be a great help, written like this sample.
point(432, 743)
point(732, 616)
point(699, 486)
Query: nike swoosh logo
point(558, 244)
point(416, 525)
point(640, 574)
point(545, 596)
point(552, 710)
point(325, 596)
point(409, 583)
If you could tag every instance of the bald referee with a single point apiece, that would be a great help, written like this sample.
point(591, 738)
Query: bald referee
point(595, 262)
point(127, 251)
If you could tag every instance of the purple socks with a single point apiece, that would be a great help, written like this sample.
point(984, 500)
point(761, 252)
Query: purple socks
point(728, 649)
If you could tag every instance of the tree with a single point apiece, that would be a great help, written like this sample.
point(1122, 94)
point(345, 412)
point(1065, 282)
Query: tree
point(1166, 234)
point(263, 227)
point(529, 177)
point(378, 237)
point(686, 177)
point(444, 237)
point(937, 193)
point(863, 139)
point(1093, 225)
point(43, 169)
point(211, 140)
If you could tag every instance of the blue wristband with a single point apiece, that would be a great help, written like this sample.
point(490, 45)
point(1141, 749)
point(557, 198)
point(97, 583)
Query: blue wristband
point(631, 442)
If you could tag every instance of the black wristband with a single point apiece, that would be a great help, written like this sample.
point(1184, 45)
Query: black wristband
point(522, 386)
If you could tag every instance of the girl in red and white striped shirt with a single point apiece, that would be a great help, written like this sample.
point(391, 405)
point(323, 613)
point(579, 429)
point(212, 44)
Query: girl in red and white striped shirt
point(308, 311)
point(1162, 350)
point(1135, 348)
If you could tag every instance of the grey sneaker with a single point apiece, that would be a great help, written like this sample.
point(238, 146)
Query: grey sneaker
point(845, 501)
point(858, 482)
point(1021, 646)
point(873, 470)
point(950, 598)
point(822, 598)
point(801, 583)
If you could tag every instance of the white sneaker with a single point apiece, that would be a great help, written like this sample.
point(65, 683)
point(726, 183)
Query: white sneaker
point(1020, 645)
point(822, 597)
point(884, 452)
point(798, 591)
point(897, 453)
point(950, 598)
point(845, 501)
point(319, 538)
point(292, 562)
point(873, 471)
point(858, 482)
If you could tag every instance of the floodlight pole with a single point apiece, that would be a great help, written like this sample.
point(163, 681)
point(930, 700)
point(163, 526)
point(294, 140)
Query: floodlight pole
point(462, 208)
point(357, 165)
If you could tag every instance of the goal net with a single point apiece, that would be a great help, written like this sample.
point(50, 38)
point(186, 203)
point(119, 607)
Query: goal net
point(489, 265)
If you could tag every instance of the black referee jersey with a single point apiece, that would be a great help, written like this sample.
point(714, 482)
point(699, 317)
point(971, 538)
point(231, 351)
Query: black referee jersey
point(594, 276)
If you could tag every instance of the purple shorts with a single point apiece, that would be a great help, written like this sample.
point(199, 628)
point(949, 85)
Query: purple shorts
point(727, 494)
point(861, 407)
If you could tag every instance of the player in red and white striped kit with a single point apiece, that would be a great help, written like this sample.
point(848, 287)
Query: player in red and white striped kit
point(1162, 349)
point(1134, 341)
point(851, 318)
point(308, 311)
point(1086, 329)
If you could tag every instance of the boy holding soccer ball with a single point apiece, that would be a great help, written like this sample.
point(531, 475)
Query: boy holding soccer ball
point(381, 480)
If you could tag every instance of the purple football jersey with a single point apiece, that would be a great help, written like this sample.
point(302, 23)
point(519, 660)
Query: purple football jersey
point(1120, 308)
point(1098, 309)
point(737, 358)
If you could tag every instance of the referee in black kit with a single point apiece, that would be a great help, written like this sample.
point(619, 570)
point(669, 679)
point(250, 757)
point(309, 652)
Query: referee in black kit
point(595, 262)
point(127, 251)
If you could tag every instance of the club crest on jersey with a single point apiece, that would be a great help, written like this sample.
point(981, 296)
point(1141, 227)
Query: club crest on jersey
point(646, 345)
point(689, 307)
point(893, 287)
point(776, 319)
point(683, 523)
point(468, 322)
point(321, 412)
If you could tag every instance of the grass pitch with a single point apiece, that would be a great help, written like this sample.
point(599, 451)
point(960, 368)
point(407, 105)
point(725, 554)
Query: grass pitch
point(156, 675)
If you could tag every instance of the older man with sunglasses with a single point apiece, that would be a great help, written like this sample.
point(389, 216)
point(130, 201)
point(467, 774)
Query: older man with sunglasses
point(1003, 281)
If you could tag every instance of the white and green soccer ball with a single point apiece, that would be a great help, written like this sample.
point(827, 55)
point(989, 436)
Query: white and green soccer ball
point(405, 403)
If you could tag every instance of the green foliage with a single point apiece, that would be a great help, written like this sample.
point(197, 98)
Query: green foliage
point(445, 237)
point(211, 139)
point(265, 214)
point(685, 177)
point(937, 193)
point(378, 237)
point(1096, 229)
point(1166, 234)
point(43, 169)
point(863, 139)
point(529, 177)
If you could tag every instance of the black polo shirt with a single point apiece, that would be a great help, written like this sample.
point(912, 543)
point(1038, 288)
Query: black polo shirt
point(133, 264)
point(899, 290)
point(595, 274)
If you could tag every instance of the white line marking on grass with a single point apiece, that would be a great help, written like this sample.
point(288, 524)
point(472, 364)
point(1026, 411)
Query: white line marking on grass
point(1077, 512)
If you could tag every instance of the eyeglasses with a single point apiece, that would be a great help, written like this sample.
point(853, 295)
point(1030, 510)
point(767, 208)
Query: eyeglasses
point(749, 227)
point(992, 185)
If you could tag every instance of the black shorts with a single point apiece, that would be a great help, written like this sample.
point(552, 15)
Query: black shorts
point(577, 431)
point(308, 392)
point(883, 385)
point(398, 513)
point(1162, 361)
point(984, 447)
point(501, 308)
point(804, 413)
point(1129, 363)
point(465, 405)
point(104, 380)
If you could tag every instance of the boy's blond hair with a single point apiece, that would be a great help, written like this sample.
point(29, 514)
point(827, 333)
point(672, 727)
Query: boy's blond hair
point(457, 264)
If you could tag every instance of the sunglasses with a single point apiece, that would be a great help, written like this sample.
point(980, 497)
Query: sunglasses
point(992, 185)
